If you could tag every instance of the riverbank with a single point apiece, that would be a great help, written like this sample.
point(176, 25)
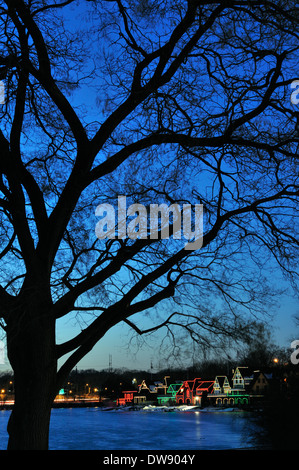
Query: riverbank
point(173, 409)
point(148, 408)
point(62, 404)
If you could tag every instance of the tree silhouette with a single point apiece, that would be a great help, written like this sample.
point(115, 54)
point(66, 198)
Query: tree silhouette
point(164, 102)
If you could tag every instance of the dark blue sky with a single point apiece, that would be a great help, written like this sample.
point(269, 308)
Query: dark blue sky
point(116, 342)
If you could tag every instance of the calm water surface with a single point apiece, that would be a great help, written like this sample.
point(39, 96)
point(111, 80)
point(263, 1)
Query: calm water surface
point(95, 429)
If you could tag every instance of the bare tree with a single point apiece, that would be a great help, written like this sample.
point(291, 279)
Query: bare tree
point(191, 104)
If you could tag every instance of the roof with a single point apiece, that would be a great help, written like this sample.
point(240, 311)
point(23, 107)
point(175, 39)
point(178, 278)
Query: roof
point(143, 385)
point(189, 384)
point(196, 384)
point(174, 387)
point(205, 385)
point(220, 379)
point(244, 371)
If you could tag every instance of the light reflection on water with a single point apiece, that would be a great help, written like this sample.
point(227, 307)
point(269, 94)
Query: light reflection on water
point(94, 429)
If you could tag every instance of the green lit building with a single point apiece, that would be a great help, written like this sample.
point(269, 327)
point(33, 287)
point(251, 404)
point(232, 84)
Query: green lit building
point(169, 398)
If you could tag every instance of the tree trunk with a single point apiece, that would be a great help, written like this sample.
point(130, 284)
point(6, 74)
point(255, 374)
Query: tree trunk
point(29, 423)
point(31, 351)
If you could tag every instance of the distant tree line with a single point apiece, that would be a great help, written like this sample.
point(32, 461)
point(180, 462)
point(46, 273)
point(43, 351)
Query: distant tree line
point(258, 356)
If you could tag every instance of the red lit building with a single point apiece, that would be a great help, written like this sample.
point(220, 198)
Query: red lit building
point(127, 398)
point(192, 392)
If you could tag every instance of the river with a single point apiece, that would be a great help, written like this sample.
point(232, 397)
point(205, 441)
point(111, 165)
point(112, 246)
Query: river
point(151, 429)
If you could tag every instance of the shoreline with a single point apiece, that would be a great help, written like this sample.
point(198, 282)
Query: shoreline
point(146, 408)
